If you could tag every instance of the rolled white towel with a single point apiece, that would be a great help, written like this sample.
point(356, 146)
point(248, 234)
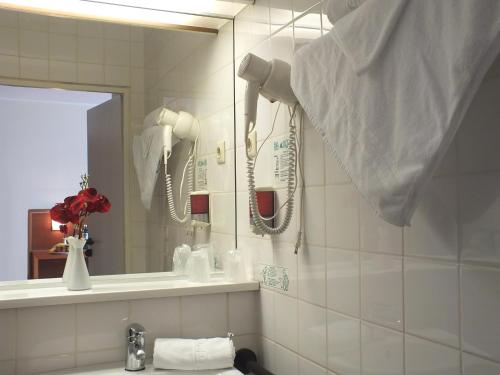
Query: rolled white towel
point(186, 354)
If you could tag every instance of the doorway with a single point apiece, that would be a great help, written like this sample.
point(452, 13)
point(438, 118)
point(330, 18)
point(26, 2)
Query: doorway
point(49, 138)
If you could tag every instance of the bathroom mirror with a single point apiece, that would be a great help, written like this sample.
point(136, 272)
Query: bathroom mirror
point(74, 94)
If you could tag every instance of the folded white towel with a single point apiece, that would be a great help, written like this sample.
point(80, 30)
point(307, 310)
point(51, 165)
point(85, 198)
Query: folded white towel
point(388, 86)
point(186, 354)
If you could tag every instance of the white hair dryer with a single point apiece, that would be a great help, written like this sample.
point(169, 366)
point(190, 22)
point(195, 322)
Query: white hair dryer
point(271, 79)
point(177, 126)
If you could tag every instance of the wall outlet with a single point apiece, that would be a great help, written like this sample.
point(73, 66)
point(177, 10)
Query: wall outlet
point(252, 144)
point(221, 152)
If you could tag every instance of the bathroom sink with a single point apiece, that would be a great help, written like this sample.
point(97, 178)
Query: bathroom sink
point(117, 368)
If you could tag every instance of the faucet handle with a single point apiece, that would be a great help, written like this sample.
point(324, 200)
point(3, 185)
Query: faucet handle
point(135, 331)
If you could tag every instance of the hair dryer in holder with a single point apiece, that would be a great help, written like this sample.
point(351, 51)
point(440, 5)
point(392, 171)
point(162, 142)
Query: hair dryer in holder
point(178, 126)
point(270, 79)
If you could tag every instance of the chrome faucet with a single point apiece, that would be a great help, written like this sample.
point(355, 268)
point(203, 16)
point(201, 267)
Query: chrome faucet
point(136, 355)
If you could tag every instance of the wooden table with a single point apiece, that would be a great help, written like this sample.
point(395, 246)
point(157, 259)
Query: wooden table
point(46, 265)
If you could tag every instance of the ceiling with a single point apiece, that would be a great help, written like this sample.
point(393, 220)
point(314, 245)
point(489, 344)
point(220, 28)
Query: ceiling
point(198, 15)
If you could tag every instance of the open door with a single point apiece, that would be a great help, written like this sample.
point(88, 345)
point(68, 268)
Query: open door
point(105, 169)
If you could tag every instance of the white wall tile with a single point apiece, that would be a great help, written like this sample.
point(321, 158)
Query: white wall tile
point(382, 350)
point(8, 41)
point(63, 25)
point(431, 300)
point(62, 47)
point(344, 344)
point(204, 316)
point(161, 317)
point(9, 18)
point(90, 50)
point(342, 217)
point(343, 281)
point(34, 44)
point(377, 235)
point(280, 12)
point(433, 231)
point(37, 335)
point(477, 149)
point(9, 334)
point(309, 368)
point(268, 357)
point(251, 342)
point(473, 365)
point(8, 367)
point(382, 289)
point(63, 71)
point(243, 312)
point(9, 66)
point(286, 361)
point(314, 215)
point(334, 173)
point(90, 73)
point(34, 68)
point(45, 364)
point(286, 321)
point(479, 210)
point(117, 75)
point(137, 34)
point(101, 325)
point(481, 304)
point(284, 256)
point(90, 28)
point(266, 319)
point(31, 21)
point(117, 31)
point(117, 52)
point(312, 275)
point(102, 356)
point(314, 161)
point(312, 333)
point(425, 357)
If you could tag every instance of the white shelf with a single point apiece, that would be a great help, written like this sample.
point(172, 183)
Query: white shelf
point(112, 288)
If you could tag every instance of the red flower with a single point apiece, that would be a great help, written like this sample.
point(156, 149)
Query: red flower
point(100, 205)
point(74, 204)
point(60, 213)
point(77, 207)
point(89, 195)
point(63, 229)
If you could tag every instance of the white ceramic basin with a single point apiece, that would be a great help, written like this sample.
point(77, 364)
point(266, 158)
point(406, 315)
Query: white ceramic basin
point(117, 368)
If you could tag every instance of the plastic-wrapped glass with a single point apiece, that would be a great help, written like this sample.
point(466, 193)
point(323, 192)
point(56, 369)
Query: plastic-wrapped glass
point(210, 252)
point(181, 256)
point(198, 267)
point(234, 266)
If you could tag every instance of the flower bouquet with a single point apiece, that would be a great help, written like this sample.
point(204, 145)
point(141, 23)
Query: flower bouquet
point(75, 210)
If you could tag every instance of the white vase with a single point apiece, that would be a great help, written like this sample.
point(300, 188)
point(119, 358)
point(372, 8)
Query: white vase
point(76, 275)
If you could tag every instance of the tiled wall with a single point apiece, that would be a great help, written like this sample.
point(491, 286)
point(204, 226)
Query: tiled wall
point(366, 297)
point(192, 72)
point(42, 339)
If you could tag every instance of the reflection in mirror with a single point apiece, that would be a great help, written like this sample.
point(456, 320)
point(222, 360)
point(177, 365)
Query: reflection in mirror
point(51, 137)
point(189, 74)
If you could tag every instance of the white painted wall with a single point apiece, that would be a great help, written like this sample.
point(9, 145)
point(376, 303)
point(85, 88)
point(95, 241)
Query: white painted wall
point(43, 152)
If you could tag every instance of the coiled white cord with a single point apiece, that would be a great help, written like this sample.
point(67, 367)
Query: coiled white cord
point(259, 222)
point(190, 182)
